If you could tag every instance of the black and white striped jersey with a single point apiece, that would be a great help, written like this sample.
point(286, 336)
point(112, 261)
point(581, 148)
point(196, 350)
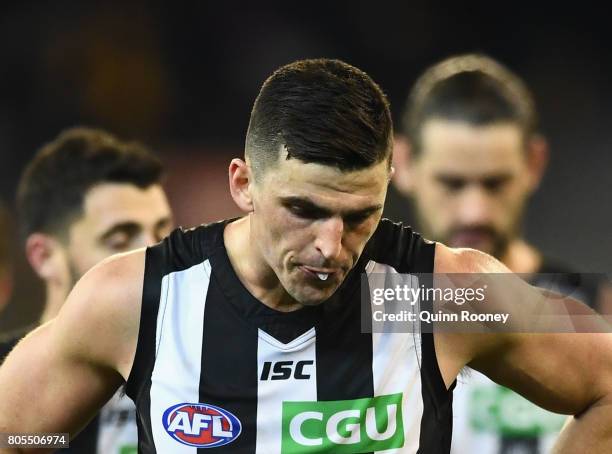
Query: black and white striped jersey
point(216, 368)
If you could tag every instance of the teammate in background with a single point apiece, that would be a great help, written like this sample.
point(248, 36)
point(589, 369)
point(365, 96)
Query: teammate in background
point(85, 196)
point(469, 155)
point(245, 335)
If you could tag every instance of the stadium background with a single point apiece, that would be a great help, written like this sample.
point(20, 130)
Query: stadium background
point(182, 76)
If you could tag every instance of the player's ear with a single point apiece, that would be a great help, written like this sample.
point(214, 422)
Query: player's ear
point(537, 160)
point(403, 175)
point(240, 182)
point(46, 256)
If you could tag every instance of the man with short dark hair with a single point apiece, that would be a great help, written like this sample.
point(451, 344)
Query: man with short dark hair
point(85, 196)
point(469, 155)
point(245, 335)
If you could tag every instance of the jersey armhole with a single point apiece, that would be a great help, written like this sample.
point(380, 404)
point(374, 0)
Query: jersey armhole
point(144, 357)
point(438, 390)
point(424, 257)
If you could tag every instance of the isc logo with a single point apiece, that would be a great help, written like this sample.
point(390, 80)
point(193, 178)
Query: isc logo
point(282, 370)
point(201, 425)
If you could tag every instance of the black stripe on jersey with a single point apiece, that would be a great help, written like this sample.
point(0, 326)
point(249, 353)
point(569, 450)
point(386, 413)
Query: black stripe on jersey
point(398, 246)
point(344, 353)
point(139, 381)
point(228, 376)
point(344, 356)
point(437, 419)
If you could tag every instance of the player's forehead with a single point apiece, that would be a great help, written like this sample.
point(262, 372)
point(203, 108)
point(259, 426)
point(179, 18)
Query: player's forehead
point(107, 204)
point(459, 147)
point(327, 185)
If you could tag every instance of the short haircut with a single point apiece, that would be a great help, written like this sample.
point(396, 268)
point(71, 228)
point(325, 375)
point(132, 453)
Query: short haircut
point(53, 186)
point(322, 111)
point(472, 88)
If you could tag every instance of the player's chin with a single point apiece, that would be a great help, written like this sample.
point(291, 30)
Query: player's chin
point(314, 296)
point(481, 244)
point(311, 302)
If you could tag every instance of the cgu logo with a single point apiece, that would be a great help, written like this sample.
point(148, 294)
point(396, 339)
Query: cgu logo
point(201, 425)
point(343, 427)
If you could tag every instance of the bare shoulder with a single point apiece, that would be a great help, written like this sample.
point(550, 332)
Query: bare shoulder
point(76, 361)
point(465, 260)
point(100, 319)
point(455, 350)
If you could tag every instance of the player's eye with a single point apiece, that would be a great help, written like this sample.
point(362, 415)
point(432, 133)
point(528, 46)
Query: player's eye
point(356, 219)
point(305, 212)
point(119, 241)
point(494, 184)
point(451, 184)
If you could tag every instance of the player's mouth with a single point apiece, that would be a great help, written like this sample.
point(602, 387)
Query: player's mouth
point(475, 238)
point(320, 274)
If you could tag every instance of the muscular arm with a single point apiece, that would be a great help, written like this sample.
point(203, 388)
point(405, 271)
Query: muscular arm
point(567, 373)
point(57, 378)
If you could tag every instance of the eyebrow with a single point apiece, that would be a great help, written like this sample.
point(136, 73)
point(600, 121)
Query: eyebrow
point(492, 176)
point(305, 202)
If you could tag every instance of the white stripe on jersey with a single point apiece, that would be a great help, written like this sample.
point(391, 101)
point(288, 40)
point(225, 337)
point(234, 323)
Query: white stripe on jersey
point(179, 349)
point(272, 393)
point(391, 348)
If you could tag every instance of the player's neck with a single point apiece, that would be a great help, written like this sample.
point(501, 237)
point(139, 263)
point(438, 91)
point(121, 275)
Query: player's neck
point(56, 296)
point(252, 269)
point(521, 257)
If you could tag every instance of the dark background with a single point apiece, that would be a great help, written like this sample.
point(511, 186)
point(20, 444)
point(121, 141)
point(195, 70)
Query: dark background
point(182, 77)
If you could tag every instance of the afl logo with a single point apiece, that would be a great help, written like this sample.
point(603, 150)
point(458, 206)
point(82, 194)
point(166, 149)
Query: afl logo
point(201, 425)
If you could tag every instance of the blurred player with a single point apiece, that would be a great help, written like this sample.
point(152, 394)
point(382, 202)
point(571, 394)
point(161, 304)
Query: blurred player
point(85, 196)
point(245, 335)
point(469, 156)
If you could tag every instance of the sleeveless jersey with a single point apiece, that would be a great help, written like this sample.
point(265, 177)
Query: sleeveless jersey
point(216, 368)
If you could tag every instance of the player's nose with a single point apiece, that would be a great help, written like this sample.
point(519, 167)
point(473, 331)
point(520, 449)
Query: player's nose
point(474, 207)
point(329, 238)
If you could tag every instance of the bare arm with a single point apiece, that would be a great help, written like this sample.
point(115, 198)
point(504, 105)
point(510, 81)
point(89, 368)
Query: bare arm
point(567, 373)
point(58, 377)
